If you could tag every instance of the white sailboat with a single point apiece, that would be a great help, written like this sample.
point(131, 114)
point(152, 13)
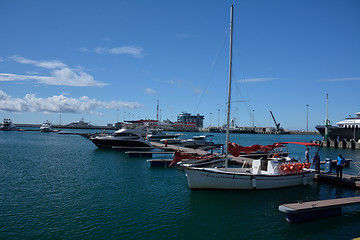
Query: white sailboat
point(264, 174)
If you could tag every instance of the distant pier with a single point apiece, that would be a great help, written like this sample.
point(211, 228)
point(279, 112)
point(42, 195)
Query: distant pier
point(67, 127)
point(343, 144)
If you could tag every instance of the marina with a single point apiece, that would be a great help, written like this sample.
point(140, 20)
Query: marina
point(85, 153)
point(71, 168)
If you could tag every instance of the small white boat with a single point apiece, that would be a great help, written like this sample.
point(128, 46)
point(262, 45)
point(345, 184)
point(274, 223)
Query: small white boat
point(7, 125)
point(46, 127)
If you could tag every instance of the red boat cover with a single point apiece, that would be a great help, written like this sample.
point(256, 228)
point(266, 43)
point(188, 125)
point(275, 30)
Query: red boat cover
point(236, 149)
point(178, 156)
point(302, 143)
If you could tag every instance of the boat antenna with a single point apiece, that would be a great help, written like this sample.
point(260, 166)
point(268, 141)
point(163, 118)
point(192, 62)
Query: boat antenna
point(327, 122)
point(229, 88)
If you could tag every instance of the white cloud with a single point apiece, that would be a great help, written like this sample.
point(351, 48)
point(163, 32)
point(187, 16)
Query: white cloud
point(340, 79)
point(101, 50)
point(250, 80)
point(197, 90)
point(135, 52)
point(8, 77)
point(10, 104)
point(187, 85)
point(84, 49)
point(177, 83)
point(181, 35)
point(44, 64)
point(150, 91)
point(31, 103)
point(60, 75)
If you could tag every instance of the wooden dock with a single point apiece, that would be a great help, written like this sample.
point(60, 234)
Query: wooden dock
point(334, 162)
point(308, 211)
point(199, 152)
point(347, 180)
point(159, 162)
point(169, 149)
point(146, 153)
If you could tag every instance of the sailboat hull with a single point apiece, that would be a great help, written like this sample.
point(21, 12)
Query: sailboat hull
point(203, 178)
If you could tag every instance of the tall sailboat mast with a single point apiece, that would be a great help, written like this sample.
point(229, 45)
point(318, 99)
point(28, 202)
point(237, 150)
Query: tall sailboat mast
point(229, 88)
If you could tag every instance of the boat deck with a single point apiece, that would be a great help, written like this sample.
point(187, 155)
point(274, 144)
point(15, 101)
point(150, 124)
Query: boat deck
point(169, 147)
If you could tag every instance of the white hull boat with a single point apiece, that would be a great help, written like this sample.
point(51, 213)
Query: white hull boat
point(46, 127)
point(7, 125)
point(158, 134)
point(123, 139)
point(245, 178)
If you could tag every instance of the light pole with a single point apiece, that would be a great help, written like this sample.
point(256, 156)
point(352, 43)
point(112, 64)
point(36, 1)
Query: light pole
point(218, 117)
point(117, 116)
point(307, 117)
point(253, 118)
point(327, 122)
point(210, 119)
point(60, 115)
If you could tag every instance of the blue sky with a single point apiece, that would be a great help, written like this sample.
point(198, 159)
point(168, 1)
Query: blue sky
point(90, 58)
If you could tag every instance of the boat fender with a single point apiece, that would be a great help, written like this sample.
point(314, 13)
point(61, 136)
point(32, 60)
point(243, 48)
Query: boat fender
point(166, 143)
point(291, 167)
point(304, 180)
point(253, 181)
point(282, 167)
point(301, 166)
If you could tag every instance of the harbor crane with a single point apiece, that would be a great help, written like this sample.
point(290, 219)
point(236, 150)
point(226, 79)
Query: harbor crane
point(277, 125)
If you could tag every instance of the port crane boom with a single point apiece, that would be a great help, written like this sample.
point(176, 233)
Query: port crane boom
point(277, 125)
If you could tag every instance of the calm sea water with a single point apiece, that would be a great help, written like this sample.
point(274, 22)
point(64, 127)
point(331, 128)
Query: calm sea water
point(61, 186)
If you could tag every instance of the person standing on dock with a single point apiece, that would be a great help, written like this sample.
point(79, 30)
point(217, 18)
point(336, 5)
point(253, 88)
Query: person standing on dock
point(307, 155)
point(316, 162)
point(339, 166)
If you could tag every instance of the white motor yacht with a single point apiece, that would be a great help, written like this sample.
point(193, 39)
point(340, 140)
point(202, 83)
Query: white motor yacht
point(198, 141)
point(123, 139)
point(7, 125)
point(46, 127)
point(348, 129)
point(158, 134)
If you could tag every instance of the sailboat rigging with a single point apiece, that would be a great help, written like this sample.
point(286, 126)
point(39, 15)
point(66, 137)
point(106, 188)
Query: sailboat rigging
point(264, 173)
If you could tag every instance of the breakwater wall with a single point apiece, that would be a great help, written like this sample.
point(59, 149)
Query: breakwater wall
point(343, 144)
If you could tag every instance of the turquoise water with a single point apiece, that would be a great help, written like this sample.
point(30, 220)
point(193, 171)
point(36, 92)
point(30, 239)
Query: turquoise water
point(61, 186)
